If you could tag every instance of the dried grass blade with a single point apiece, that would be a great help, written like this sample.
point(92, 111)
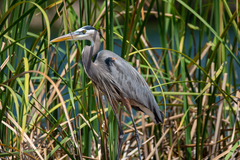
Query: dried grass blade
point(24, 135)
point(60, 97)
point(237, 119)
point(59, 80)
point(158, 143)
point(226, 152)
point(194, 67)
point(132, 129)
point(218, 73)
point(17, 150)
point(219, 115)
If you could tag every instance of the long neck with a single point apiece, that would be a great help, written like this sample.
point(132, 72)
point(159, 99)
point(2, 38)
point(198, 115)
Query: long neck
point(87, 53)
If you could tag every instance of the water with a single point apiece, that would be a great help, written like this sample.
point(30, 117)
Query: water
point(154, 39)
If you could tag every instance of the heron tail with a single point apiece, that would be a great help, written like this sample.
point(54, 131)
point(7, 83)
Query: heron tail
point(159, 116)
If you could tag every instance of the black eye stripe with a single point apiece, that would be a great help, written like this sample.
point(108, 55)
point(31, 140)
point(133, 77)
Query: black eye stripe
point(89, 28)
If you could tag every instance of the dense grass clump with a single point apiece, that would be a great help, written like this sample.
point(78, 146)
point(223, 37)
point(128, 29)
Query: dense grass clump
point(49, 109)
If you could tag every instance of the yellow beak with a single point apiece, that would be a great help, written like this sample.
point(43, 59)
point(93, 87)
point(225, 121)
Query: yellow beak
point(67, 37)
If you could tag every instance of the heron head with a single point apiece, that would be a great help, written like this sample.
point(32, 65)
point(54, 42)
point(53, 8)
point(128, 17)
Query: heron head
point(84, 33)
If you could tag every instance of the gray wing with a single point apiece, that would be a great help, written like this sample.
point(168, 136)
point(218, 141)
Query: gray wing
point(130, 83)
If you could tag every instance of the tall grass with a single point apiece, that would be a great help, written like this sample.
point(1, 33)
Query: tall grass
point(50, 110)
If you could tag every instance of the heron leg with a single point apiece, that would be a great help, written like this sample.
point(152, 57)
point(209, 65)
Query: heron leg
point(137, 136)
point(128, 106)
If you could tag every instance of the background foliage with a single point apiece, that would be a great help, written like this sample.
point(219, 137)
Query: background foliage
point(49, 109)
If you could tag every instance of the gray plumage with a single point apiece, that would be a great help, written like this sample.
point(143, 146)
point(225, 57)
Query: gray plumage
point(116, 78)
point(130, 83)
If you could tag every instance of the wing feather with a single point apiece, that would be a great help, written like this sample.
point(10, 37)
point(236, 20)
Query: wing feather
point(131, 84)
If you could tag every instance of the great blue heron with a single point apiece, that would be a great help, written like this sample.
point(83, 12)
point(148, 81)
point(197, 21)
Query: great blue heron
point(116, 78)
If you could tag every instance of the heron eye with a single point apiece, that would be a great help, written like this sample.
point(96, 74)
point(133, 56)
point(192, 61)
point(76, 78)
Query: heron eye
point(84, 31)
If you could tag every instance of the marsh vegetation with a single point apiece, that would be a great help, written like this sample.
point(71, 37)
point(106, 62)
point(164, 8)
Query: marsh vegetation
point(49, 109)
